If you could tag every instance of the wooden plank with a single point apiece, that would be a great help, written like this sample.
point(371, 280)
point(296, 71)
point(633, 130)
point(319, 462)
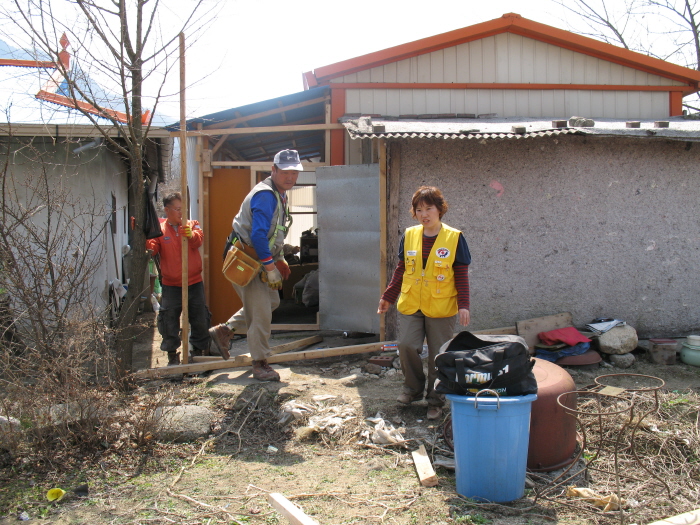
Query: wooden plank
point(279, 349)
point(687, 518)
point(286, 347)
point(424, 468)
point(263, 129)
point(293, 327)
point(506, 330)
point(529, 328)
point(245, 360)
point(185, 202)
point(265, 165)
point(234, 122)
point(289, 510)
point(382, 231)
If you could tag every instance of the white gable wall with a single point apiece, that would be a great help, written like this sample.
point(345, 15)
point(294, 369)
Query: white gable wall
point(505, 59)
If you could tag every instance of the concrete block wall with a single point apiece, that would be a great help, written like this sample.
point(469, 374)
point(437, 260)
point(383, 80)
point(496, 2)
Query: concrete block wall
point(594, 226)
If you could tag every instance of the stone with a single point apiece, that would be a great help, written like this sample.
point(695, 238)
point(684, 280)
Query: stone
point(619, 340)
point(180, 424)
point(9, 424)
point(397, 363)
point(372, 368)
point(622, 360)
point(581, 122)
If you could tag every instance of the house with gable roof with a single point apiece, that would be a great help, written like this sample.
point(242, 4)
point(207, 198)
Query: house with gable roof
point(567, 162)
point(43, 134)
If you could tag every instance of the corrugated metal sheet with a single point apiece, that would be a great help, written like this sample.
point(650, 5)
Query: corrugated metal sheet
point(263, 146)
point(399, 135)
point(498, 128)
point(507, 57)
point(348, 220)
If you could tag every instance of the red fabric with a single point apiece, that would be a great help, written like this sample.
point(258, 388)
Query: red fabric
point(568, 335)
point(170, 248)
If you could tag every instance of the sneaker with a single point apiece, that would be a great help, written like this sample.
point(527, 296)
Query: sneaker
point(407, 399)
point(264, 372)
point(221, 336)
point(173, 358)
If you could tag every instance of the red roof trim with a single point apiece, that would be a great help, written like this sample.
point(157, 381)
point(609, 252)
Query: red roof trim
point(84, 106)
point(495, 85)
point(516, 24)
point(27, 63)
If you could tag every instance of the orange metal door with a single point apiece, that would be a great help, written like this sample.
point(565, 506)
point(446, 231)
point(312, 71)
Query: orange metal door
point(227, 189)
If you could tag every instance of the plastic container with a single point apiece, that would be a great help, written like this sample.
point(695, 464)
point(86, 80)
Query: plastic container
point(690, 353)
point(491, 436)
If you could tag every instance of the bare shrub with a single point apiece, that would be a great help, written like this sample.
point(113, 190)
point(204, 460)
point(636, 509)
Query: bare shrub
point(56, 366)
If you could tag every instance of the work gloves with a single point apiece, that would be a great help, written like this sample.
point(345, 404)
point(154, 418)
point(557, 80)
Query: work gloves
point(283, 267)
point(274, 279)
point(187, 231)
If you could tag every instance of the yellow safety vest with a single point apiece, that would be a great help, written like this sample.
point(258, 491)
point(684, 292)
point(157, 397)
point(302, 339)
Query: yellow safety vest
point(431, 289)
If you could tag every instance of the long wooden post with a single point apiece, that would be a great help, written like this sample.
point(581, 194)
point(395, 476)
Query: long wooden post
point(185, 208)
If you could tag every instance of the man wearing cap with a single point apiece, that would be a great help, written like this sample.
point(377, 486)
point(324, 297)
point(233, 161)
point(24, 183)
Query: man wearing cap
point(261, 223)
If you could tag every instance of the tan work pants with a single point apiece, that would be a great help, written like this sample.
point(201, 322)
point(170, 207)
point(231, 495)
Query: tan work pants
point(255, 318)
point(413, 329)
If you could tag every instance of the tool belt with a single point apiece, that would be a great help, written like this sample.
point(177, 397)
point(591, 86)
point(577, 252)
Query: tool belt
point(241, 263)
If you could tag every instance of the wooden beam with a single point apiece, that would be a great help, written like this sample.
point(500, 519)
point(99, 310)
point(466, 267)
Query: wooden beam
point(506, 330)
point(289, 510)
point(382, 230)
point(687, 518)
point(234, 122)
point(265, 129)
point(245, 360)
point(185, 203)
point(327, 135)
point(279, 349)
point(424, 468)
point(286, 347)
point(267, 165)
point(294, 327)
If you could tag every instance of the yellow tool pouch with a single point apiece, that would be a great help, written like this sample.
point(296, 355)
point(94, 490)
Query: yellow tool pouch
point(239, 267)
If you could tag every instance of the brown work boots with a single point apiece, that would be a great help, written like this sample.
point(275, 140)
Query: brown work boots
point(264, 372)
point(221, 336)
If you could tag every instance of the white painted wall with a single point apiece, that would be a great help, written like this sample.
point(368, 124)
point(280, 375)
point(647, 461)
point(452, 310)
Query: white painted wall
point(510, 102)
point(507, 58)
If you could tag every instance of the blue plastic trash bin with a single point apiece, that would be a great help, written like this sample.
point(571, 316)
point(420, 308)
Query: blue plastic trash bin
point(491, 436)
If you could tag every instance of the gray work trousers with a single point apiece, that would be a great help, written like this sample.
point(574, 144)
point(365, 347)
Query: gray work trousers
point(255, 318)
point(413, 329)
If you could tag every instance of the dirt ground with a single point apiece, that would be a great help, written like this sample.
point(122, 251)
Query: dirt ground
point(332, 477)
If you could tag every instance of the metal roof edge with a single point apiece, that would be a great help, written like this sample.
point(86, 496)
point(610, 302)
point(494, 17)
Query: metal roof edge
point(70, 130)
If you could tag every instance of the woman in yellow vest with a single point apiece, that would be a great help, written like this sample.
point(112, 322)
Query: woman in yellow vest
point(431, 282)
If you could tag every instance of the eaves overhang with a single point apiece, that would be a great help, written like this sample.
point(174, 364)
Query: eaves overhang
point(512, 23)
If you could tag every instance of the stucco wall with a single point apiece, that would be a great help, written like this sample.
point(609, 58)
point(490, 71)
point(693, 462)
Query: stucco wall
point(597, 227)
point(86, 183)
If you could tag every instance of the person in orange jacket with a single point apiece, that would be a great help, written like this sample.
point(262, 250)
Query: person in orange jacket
point(169, 246)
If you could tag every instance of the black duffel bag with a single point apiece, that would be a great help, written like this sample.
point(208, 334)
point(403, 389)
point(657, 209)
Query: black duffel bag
point(468, 364)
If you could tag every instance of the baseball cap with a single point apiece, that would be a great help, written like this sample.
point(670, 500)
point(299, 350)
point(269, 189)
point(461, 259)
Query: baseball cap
point(288, 159)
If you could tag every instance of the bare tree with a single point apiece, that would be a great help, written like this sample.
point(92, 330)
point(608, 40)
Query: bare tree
point(124, 46)
point(665, 29)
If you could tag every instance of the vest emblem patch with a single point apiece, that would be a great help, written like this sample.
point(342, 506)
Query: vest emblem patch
point(442, 253)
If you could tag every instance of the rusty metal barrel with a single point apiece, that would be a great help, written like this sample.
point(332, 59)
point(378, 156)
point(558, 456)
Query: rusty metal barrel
point(552, 431)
